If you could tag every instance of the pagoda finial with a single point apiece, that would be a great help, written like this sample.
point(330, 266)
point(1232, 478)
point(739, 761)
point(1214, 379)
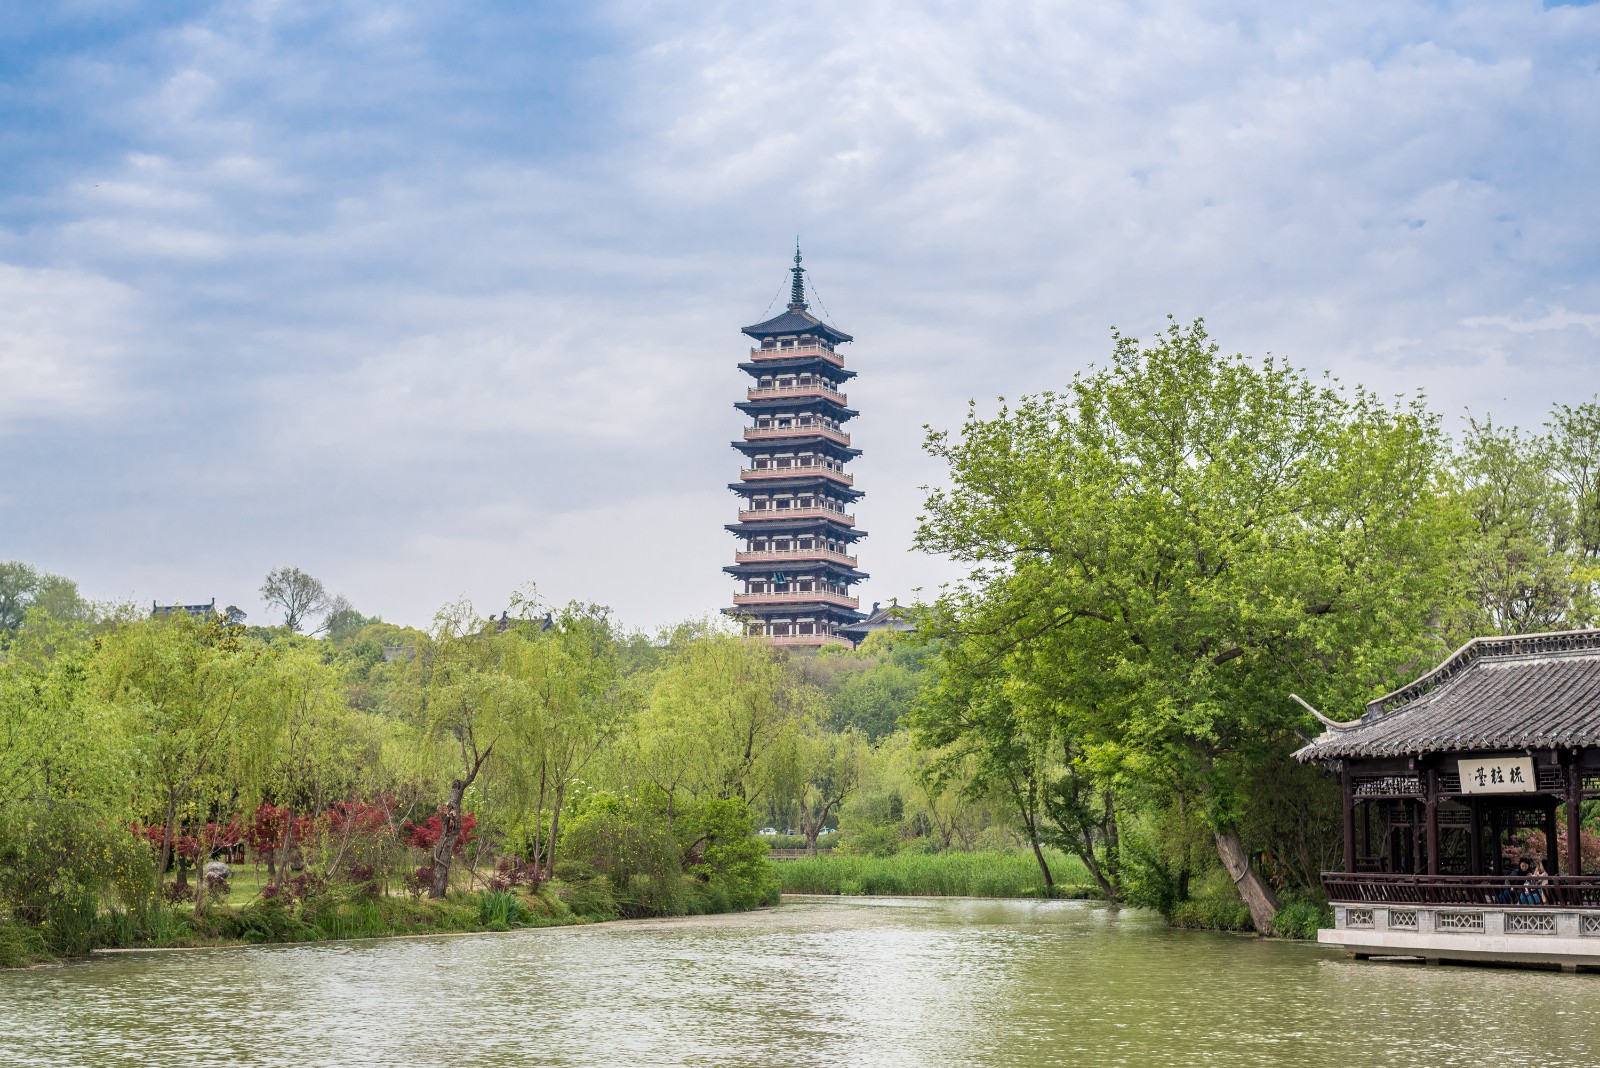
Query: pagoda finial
point(797, 291)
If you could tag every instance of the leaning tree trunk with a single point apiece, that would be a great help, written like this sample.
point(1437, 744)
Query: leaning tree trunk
point(445, 847)
point(1256, 894)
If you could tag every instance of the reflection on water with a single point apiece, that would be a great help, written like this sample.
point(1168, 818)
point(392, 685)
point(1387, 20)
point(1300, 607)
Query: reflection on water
point(818, 982)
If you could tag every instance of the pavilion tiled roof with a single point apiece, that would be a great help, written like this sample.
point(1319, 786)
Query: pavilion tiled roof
point(1535, 691)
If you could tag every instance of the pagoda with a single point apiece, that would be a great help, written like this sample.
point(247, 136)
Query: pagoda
point(794, 563)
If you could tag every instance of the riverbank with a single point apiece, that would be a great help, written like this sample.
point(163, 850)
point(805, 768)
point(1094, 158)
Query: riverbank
point(327, 918)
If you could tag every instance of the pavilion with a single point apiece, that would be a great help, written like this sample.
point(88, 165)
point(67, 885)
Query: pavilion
point(1447, 782)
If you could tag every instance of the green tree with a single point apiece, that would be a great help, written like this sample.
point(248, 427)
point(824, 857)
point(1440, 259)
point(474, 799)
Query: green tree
point(24, 588)
point(184, 687)
point(66, 780)
point(1161, 553)
point(566, 708)
point(713, 718)
point(1575, 447)
point(1518, 570)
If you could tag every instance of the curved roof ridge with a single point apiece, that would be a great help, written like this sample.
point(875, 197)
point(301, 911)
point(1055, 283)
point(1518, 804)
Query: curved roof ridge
point(1547, 643)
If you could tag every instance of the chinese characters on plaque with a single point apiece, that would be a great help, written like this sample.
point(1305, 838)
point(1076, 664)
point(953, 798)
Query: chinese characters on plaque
point(1498, 775)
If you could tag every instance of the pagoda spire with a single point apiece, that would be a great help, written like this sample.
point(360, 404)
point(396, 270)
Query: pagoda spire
point(797, 290)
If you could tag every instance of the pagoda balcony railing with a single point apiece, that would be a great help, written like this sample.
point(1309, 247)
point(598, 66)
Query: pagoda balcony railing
point(797, 350)
point(761, 433)
point(1516, 891)
point(786, 392)
point(803, 639)
point(798, 513)
point(778, 556)
point(801, 596)
point(796, 471)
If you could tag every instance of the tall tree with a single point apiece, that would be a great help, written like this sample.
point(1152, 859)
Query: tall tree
point(1163, 551)
point(299, 596)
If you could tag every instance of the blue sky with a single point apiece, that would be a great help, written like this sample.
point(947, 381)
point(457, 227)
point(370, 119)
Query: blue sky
point(435, 299)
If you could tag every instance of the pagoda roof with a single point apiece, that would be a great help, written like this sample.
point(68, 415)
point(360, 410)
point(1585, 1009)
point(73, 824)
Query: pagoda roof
point(751, 446)
point(790, 483)
point(797, 320)
point(893, 617)
point(800, 361)
point(1534, 691)
point(781, 524)
point(800, 400)
point(798, 567)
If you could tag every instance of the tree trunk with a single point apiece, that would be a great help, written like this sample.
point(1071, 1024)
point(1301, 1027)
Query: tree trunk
point(1113, 839)
point(1256, 894)
point(1044, 865)
point(277, 874)
point(445, 847)
point(555, 829)
point(166, 837)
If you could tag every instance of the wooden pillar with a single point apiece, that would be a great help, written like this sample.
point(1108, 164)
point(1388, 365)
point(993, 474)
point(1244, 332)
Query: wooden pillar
point(1575, 815)
point(1349, 819)
point(1431, 778)
point(1475, 846)
point(1496, 857)
point(1552, 862)
point(1416, 837)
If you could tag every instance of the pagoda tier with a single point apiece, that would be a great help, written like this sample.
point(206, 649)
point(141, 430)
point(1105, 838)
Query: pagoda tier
point(782, 363)
point(795, 564)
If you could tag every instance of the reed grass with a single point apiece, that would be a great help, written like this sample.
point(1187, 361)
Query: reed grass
point(936, 875)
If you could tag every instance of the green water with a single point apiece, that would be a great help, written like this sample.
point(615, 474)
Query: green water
point(817, 982)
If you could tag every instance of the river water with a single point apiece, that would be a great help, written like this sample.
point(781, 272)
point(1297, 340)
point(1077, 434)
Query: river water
point(847, 982)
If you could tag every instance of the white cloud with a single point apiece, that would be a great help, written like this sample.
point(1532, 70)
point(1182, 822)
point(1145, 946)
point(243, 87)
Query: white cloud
point(64, 340)
point(466, 330)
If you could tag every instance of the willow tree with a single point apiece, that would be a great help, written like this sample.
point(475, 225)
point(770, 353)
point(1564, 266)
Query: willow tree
point(564, 708)
point(712, 723)
point(1161, 553)
point(463, 704)
point(185, 688)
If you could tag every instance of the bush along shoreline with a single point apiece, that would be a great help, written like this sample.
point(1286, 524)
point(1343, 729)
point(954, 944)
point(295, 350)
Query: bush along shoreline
point(581, 894)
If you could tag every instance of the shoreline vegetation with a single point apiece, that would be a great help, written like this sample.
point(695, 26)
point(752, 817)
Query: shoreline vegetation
point(352, 915)
point(1014, 875)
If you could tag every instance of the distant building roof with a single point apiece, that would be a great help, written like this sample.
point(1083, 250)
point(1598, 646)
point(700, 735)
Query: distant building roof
point(1534, 691)
point(199, 611)
point(894, 618)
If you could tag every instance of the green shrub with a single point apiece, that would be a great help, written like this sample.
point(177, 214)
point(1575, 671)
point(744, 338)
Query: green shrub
point(1212, 914)
point(262, 921)
point(1301, 919)
point(591, 899)
point(21, 946)
point(870, 840)
point(798, 841)
point(501, 910)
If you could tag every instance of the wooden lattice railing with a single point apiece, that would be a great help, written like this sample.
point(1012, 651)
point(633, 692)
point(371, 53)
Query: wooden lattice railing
point(1563, 891)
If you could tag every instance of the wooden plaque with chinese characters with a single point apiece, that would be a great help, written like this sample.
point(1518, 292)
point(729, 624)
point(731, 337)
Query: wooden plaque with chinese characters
point(1498, 775)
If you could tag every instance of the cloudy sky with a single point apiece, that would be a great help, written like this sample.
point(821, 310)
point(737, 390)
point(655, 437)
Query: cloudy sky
point(433, 299)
